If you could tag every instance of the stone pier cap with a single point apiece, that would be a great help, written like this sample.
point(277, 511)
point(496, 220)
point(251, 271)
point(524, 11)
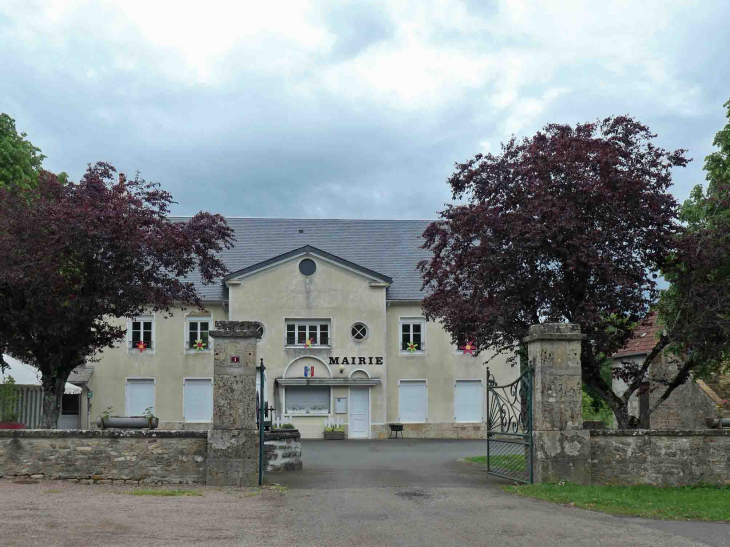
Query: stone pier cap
point(235, 329)
point(554, 331)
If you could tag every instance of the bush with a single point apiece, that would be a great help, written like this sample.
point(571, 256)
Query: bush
point(597, 410)
point(287, 426)
point(335, 428)
point(8, 400)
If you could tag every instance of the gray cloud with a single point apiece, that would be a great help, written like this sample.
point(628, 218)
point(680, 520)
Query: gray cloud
point(355, 111)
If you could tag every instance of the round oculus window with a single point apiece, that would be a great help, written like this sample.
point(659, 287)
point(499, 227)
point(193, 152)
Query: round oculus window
point(307, 267)
point(259, 331)
point(359, 331)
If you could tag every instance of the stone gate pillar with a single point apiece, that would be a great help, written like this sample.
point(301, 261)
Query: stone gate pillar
point(561, 446)
point(233, 443)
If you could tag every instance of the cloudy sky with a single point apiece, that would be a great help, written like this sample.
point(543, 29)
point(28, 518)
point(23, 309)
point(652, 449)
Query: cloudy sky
point(347, 109)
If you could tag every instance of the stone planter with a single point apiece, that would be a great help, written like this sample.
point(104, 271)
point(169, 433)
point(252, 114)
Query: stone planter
point(712, 423)
point(334, 435)
point(12, 425)
point(131, 422)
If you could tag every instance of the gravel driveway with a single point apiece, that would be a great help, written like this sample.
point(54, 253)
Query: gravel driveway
point(412, 494)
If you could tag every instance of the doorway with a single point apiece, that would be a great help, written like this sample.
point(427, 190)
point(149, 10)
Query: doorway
point(359, 417)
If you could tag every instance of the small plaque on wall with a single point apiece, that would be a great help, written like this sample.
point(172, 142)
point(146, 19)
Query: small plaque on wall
point(235, 359)
point(340, 405)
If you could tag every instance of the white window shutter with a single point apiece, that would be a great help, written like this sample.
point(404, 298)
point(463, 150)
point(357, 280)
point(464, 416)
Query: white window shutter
point(412, 401)
point(198, 397)
point(140, 396)
point(468, 401)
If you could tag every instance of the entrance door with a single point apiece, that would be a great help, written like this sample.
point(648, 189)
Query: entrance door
point(69, 418)
point(359, 413)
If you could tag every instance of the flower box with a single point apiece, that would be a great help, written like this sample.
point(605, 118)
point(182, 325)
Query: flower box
point(12, 425)
point(334, 435)
point(131, 422)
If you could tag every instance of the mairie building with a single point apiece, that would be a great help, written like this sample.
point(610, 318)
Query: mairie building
point(343, 338)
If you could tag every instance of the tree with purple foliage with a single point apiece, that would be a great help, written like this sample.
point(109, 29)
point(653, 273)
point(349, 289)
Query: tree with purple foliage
point(78, 254)
point(573, 224)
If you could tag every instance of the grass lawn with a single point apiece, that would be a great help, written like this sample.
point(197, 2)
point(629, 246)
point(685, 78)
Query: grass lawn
point(702, 502)
point(505, 461)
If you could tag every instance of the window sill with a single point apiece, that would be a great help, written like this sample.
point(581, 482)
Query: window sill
point(305, 347)
point(195, 351)
point(313, 414)
point(457, 424)
point(414, 354)
point(137, 352)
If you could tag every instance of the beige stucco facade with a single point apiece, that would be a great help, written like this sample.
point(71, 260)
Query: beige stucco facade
point(338, 296)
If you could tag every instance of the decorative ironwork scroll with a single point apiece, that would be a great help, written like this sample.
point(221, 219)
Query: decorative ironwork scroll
point(509, 428)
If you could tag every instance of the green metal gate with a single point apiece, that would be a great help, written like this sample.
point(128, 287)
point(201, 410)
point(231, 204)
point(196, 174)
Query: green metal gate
point(509, 428)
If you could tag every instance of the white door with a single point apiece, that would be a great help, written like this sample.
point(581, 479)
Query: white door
point(359, 413)
point(140, 396)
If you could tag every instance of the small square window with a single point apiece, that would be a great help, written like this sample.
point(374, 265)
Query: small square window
point(198, 338)
point(141, 334)
point(412, 336)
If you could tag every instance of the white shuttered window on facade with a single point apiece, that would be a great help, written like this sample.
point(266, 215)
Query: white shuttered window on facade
point(468, 401)
point(412, 401)
point(140, 396)
point(198, 400)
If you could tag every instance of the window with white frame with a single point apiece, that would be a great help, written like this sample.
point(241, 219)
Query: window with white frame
point(412, 401)
point(412, 335)
point(307, 399)
point(468, 401)
point(141, 333)
point(467, 347)
point(198, 400)
point(140, 396)
point(197, 336)
point(308, 333)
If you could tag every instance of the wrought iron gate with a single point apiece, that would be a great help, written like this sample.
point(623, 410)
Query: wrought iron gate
point(509, 428)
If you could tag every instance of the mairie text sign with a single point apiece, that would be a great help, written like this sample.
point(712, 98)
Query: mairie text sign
point(356, 361)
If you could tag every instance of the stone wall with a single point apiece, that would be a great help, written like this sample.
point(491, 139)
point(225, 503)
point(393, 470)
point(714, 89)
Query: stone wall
point(113, 455)
point(686, 407)
point(662, 458)
point(282, 450)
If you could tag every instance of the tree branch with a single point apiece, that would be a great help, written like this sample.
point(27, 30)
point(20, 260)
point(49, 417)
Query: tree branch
point(633, 386)
point(677, 381)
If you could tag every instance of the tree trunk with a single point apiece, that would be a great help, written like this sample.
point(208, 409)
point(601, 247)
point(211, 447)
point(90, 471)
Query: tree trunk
point(52, 395)
point(592, 377)
point(623, 419)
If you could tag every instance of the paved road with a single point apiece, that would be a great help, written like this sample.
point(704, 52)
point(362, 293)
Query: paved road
point(390, 463)
point(419, 493)
point(379, 493)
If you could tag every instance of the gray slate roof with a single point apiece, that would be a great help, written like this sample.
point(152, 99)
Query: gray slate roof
point(389, 247)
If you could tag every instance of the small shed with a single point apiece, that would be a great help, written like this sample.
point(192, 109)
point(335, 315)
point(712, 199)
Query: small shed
point(30, 400)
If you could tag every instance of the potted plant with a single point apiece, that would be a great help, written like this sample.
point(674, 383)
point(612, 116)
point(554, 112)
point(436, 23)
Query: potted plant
point(719, 421)
point(147, 420)
point(8, 402)
point(334, 430)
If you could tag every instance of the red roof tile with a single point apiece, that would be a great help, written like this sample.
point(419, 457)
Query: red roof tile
point(644, 338)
